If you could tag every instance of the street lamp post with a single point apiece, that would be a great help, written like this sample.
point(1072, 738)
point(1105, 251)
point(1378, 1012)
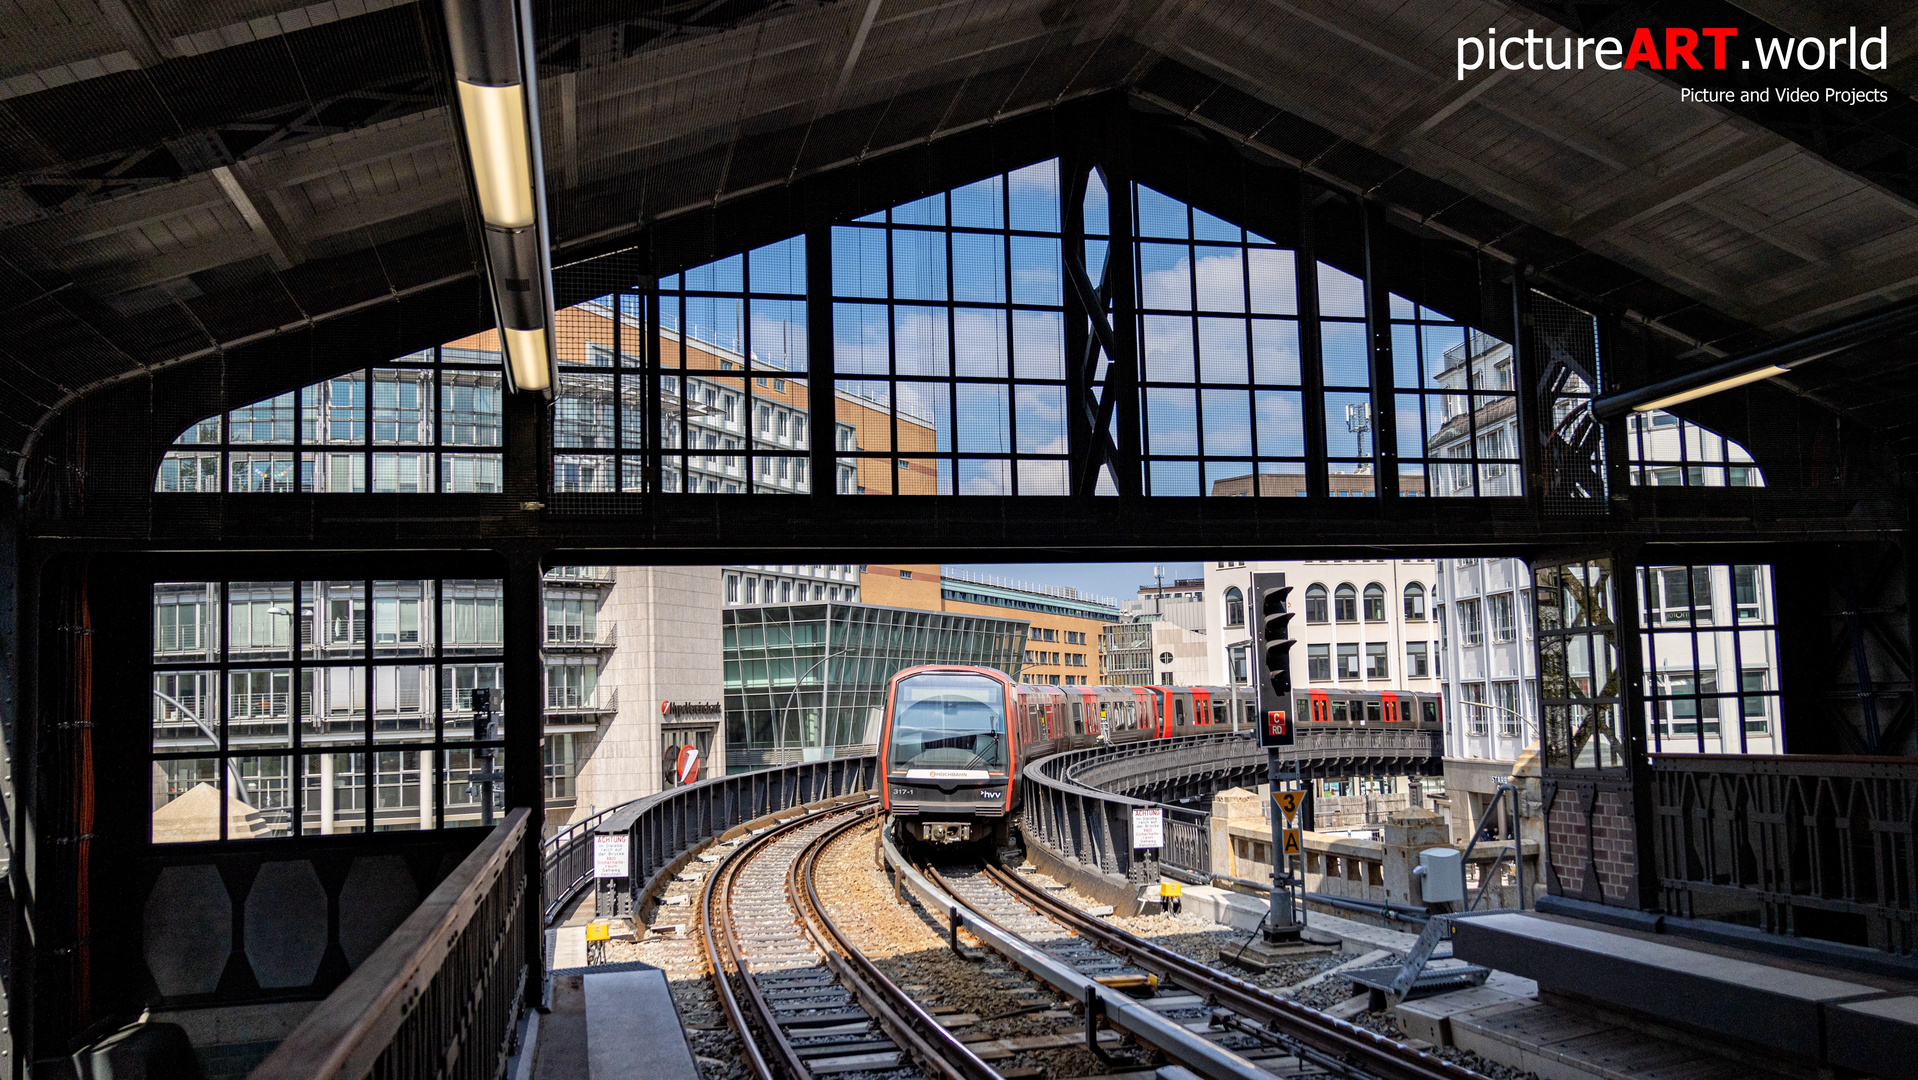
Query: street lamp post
point(779, 732)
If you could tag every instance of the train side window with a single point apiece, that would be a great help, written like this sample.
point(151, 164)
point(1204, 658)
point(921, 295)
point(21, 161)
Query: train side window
point(1372, 712)
point(1078, 720)
point(1178, 711)
point(1430, 711)
point(1338, 712)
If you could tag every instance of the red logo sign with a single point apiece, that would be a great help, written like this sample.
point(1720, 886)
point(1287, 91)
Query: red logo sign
point(1275, 723)
point(688, 764)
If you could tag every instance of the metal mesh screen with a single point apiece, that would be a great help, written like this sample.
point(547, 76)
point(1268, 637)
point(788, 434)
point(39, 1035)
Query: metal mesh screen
point(1565, 341)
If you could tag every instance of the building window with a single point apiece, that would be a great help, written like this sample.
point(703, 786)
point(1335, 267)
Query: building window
point(1505, 708)
point(284, 703)
point(1349, 661)
point(1375, 602)
point(560, 759)
point(1474, 706)
point(1499, 606)
point(1415, 602)
point(1469, 632)
point(1315, 604)
point(1456, 408)
point(572, 685)
point(1234, 607)
point(1241, 669)
point(1666, 451)
point(427, 422)
point(1377, 663)
point(1345, 603)
point(1318, 663)
point(732, 588)
point(1415, 661)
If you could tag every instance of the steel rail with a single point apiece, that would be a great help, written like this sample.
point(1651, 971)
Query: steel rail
point(915, 1030)
point(716, 923)
point(1327, 1035)
point(1121, 1012)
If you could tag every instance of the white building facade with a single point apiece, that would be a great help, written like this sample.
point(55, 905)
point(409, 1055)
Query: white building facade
point(1482, 615)
point(1360, 625)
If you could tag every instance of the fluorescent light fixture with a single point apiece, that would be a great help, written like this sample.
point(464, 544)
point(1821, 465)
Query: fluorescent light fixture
point(495, 121)
point(496, 76)
point(1758, 375)
point(526, 355)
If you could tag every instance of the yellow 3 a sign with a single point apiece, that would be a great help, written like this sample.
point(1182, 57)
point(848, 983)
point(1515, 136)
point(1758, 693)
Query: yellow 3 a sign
point(1288, 802)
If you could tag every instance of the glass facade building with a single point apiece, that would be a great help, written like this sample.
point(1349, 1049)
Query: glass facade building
point(807, 682)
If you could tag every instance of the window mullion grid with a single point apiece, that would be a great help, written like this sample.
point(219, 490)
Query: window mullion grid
point(1698, 671)
point(1012, 360)
point(1192, 331)
point(616, 438)
point(371, 711)
point(1738, 668)
point(748, 384)
point(892, 361)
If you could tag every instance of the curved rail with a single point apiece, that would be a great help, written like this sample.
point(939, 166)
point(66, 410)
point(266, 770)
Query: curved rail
point(1188, 1048)
point(930, 1043)
point(1321, 1036)
point(913, 1030)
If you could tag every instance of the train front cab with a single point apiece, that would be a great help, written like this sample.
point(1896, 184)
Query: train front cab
point(950, 754)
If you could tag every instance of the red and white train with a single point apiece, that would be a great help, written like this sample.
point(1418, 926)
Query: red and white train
point(955, 736)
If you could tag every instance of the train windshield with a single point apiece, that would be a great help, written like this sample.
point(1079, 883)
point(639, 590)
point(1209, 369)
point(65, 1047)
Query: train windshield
point(949, 722)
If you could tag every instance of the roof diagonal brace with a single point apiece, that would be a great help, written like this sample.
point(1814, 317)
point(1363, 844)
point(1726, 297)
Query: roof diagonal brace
point(1097, 406)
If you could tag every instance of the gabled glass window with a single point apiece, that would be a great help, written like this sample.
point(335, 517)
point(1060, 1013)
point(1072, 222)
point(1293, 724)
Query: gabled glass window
point(1666, 451)
point(1457, 406)
point(949, 341)
point(1219, 348)
point(425, 422)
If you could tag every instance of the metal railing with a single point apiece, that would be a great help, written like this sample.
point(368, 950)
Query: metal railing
point(661, 829)
point(1082, 824)
point(440, 997)
point(1187, 854)
point(1811, 846)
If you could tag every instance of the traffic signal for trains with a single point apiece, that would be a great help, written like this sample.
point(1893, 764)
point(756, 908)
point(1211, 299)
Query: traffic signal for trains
point(1272, 651)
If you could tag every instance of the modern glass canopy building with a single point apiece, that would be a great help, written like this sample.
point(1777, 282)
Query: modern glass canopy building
point(807, 682)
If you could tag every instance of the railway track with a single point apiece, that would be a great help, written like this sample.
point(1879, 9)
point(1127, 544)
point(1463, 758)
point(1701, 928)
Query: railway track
point(1314, 1038)
point(1215, 1025)
point(805, 1002)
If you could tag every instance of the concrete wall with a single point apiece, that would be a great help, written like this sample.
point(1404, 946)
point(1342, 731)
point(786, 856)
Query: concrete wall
point(669, 650)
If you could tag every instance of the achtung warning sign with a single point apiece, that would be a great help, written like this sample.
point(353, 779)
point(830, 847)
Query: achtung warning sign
point(1293, 845)
point(1288, 801)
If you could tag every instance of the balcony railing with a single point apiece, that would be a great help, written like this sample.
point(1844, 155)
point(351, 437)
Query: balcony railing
point(439, 999)
point(1810, 846)
point(595, 704)
point(605, 637)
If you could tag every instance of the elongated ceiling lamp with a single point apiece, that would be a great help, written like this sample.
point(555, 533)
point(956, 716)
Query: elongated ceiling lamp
point(499, 112)
point(1763, 363)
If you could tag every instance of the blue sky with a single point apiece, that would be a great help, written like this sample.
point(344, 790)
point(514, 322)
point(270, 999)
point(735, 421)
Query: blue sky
point(1118, 580)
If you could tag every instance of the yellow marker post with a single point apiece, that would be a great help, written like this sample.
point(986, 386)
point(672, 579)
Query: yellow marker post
point(1288, 801)
point(1293, 844)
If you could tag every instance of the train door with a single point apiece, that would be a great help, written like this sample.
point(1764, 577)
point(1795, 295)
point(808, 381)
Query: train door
point(1321, 707)
point(1201, 707)
point(1391, 704)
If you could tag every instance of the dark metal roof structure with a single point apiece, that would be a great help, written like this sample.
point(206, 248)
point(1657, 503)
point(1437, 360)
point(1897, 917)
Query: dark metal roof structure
point(179, 179)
